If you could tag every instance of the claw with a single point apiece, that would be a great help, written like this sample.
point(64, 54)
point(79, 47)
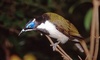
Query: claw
point(54, 46)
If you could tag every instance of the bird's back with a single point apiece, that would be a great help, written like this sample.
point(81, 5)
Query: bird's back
point(63, 25)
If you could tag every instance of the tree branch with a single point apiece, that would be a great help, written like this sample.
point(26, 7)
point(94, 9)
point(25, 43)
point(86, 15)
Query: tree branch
point(60, 50)
point(96, 16)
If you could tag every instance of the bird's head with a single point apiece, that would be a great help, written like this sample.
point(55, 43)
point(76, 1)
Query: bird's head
point(31, 25)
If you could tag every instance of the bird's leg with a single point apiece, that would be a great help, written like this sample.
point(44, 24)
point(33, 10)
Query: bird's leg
point(54, 46)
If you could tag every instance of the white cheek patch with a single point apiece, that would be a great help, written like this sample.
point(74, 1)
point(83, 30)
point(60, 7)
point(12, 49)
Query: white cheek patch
point(42, 26)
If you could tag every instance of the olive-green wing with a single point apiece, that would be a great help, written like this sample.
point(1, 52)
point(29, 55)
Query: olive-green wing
point(63, 25)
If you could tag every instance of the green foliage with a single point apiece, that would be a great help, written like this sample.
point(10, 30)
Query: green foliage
point(88, 19)
point(72, 8)
point(19, 13)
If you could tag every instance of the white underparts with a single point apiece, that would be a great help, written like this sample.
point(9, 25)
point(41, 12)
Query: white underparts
point(54, 33)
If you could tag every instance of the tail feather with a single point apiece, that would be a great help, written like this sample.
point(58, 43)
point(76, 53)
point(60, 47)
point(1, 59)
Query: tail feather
point(79, 47)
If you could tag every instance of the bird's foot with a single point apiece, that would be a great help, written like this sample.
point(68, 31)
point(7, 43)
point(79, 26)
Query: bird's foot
point(54, 46)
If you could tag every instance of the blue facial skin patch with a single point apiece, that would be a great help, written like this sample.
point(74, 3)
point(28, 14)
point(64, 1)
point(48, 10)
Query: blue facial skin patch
point(30, 25)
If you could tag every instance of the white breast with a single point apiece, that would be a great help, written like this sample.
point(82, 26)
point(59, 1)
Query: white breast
point(54, 33)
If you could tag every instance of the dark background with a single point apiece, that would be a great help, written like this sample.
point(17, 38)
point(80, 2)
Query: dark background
point(14, 14)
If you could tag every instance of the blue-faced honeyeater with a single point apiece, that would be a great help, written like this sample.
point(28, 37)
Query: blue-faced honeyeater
point(56, 27)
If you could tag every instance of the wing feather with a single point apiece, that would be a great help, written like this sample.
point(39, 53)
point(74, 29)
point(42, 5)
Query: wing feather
point(63, 25)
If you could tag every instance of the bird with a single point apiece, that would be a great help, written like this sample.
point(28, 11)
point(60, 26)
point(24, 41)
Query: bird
point(55, 26)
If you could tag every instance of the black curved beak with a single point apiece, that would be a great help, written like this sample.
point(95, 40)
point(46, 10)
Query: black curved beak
point(23, 30)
